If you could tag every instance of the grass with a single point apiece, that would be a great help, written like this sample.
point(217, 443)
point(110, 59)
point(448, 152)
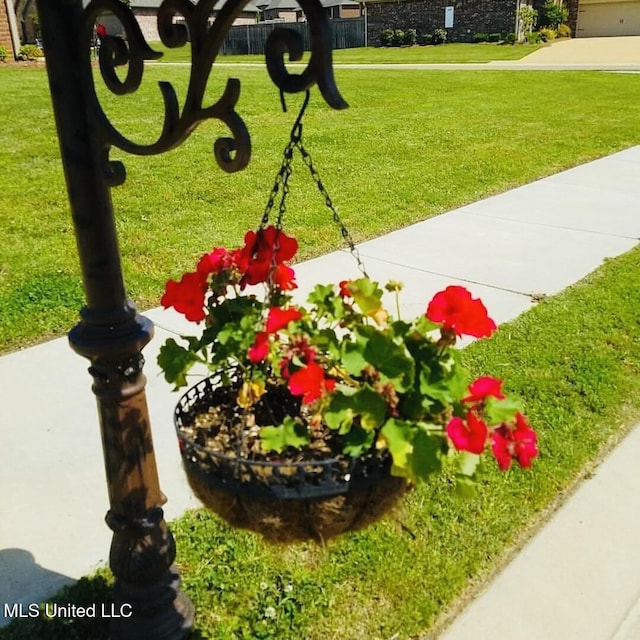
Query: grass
point(454, 52)
point(575, 361)
point(412, 145)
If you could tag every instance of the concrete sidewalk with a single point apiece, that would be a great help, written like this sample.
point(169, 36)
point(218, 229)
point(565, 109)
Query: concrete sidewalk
point(593, 51)
point(537, 239)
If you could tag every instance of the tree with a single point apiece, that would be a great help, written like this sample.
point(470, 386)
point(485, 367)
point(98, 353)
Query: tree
point(552, 14)
point(527, 17)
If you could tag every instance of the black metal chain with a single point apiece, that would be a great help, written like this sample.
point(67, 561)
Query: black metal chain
point(282, 183)
point(306, 157)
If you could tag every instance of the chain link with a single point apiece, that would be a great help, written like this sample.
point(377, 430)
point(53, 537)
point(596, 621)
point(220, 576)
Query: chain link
point(306, 157)
point(282, 184)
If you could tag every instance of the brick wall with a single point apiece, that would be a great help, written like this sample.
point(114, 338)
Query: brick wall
point(5, 33)
point(470, 16)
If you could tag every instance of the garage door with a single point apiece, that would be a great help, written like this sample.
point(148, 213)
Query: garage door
point(608, 19)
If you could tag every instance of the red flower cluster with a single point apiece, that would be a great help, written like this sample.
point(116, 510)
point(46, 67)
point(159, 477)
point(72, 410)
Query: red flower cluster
point(186, 296)
point(483, 388)
point(277, 320)
point(218, 260)
point(280, 318)
point(264, 254)
point(468, 436)
point(514, 442)
point(310, 383)
point(262, 257)
point(509, 441)
point(308, 380)
point(459, 312)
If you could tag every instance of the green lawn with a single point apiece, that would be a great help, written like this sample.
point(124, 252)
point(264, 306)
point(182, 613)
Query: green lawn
point(454, 52)
point(412, 145)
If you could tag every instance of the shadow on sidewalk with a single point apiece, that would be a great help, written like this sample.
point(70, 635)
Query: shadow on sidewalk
point(24, 582)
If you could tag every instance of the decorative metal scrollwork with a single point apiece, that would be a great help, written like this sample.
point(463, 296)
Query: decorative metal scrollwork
point(206, 39)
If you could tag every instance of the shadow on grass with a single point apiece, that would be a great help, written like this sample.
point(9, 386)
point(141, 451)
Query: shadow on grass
point(95, 590)
point(86, 592)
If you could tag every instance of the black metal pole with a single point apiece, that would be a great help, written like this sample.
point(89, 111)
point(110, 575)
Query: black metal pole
point(111, 335)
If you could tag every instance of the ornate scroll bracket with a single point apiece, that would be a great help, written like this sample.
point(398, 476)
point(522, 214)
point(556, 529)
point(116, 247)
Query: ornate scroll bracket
point(232, 153)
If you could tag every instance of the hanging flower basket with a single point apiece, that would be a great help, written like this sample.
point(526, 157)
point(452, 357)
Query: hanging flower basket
point(309, 496)
point(318, 417)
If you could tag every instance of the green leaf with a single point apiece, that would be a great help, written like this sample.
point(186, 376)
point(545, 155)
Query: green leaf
point(468, 463)
point(365, 403)
point(290, 433)
point(399, 437)
point(326, 340)
point(175, 361)
point(497, 411)
point(352, 359)
point(425, 459)
point(466, 487)
point(339, 414)
point(423, 325)
point(327, 302)
point(357, 441)
point(442, 385)
point(370, 406)
point(321, 294)
point(391, 359)
point(367, 295)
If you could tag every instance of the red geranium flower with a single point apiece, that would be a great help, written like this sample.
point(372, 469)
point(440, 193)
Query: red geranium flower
point(264, 251)
point(284, 277)
point(518, 442)
point(186, 296)
point(279, 318)
point(214, 262)
point(470, 436)
point(343, 286)
point(260, 348)
point(483, 388)
point(459, 312)
point(309, 382)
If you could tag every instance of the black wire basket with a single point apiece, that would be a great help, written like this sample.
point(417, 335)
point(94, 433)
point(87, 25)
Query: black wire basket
point(283, 500)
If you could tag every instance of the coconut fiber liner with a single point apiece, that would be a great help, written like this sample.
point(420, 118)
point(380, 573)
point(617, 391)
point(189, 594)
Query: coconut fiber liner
point(289, 520)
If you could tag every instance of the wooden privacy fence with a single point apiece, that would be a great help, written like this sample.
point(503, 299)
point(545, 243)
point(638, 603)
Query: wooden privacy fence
point(347, 33)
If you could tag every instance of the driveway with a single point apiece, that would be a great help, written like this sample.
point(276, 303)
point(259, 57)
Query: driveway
point(597, 51)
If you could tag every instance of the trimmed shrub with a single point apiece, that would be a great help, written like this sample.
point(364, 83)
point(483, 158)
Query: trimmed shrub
point(564, 31)
point(398, 38)
point(386, 37)
point(30, 52)
point(546, 34)
point(494, 37)
point(479, 37)
point(3, 53)
point(410, 37)
point(425, 38)
point(510, 38)
point(534, 38)
point(439, 36)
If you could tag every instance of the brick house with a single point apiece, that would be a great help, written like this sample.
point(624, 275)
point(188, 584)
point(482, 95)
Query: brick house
point(587, 18)
point(5, 30)
point(291, 11)
point(146, 12)
point(9, 34)
point(465, 17)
